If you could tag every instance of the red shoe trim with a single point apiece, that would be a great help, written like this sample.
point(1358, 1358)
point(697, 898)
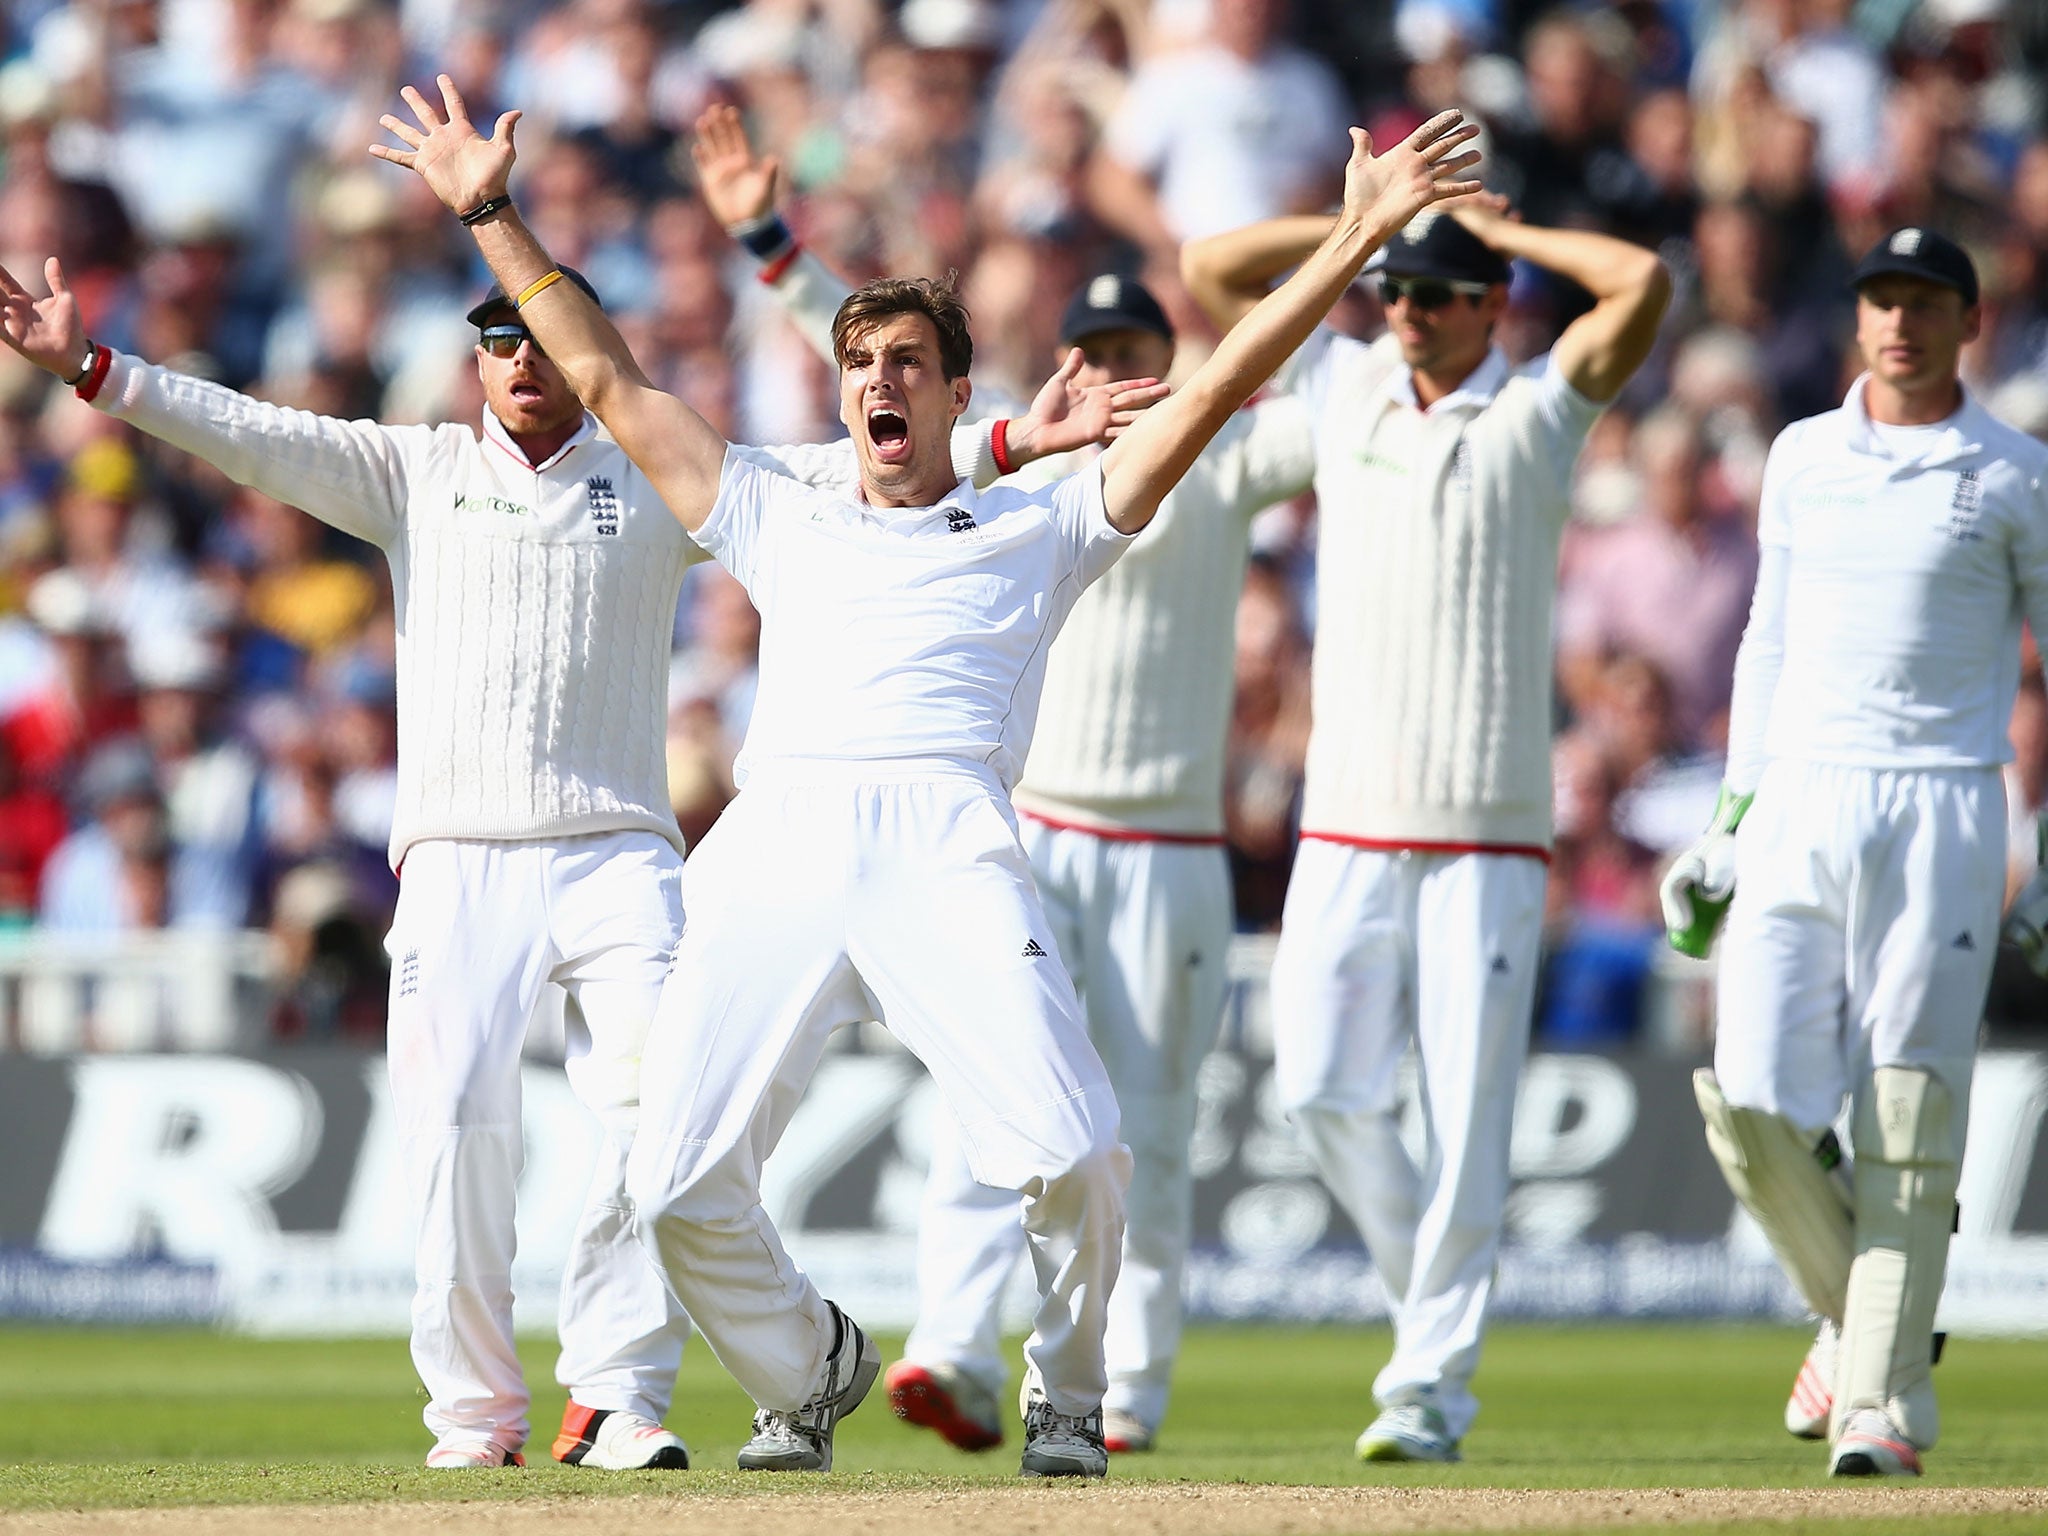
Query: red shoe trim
point(917, 1397)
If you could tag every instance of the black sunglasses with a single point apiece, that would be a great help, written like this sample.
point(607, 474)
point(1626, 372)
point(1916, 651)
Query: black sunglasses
point(1427, 292)
point(504, 340)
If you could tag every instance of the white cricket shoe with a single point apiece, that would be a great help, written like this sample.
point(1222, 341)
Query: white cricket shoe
point(472, 1452)
point(1125, 1433)
point(1813, 1389)
point(1408, 1432)
point(947, 1401)
point(1870, 1445)
point(801, 1440)
point(614, 1440)
point(1061, 1445)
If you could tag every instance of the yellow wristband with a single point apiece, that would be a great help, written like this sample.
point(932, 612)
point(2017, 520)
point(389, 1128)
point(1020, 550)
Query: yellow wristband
point(546, 280)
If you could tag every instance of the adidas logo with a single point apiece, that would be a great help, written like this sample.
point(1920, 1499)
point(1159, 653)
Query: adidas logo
point(1033, 950)
point(1964, 941)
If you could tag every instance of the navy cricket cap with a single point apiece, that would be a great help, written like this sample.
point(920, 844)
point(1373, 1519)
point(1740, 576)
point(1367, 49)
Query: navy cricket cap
point(496, 299)
point(1433, 244)
point(1112, 303)
point(1922, 253)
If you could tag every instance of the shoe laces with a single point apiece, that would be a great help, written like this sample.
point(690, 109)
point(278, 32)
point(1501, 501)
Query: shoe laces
point(1044, 1422)
point(811, 1421)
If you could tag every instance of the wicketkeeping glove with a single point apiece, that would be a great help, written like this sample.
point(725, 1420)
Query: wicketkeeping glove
point(2026, 924)
point(1701, 882)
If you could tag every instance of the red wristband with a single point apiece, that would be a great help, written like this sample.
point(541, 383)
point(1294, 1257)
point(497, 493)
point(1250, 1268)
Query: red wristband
point(771, 272)
point(999, 446)
point(102, 360)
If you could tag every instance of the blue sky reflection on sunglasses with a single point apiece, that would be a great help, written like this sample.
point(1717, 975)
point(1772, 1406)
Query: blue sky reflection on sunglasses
point(504, 340)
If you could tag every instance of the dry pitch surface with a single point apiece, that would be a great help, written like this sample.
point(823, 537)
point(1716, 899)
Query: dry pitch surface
point(1132, 1510)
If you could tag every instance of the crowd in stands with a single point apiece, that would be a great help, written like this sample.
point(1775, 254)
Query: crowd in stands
point(196, 681)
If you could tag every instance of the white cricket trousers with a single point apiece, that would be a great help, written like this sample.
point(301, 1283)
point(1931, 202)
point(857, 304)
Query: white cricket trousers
point(1144, 929)
point(830, 893)
point(481, 929)
point(1378, 949)
point(1862, 935)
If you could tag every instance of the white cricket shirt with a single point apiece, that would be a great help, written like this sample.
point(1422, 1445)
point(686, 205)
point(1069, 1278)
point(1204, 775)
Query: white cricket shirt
point(1896, 568)
point(1436, 566)
point(534, 601)
point(903, 633)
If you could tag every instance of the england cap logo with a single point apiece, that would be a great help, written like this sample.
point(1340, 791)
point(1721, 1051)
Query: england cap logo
point(1906, 243)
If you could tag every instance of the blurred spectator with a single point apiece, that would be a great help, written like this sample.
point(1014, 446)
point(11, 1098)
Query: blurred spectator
point(332, 970)
point(1237, 128)
point(32, 824)
point(208, 779)
point(112, 875)
point(1671, 584)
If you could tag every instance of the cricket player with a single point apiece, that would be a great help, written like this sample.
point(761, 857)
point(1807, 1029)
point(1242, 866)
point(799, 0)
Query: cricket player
point(1862, 831)
point(870, 866)
point(1414, 911)
point(536, 574)
point(1121, 811)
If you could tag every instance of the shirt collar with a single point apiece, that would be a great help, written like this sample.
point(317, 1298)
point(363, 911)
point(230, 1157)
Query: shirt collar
point(1476, 391)
point(494, 431)
point(1961, 435)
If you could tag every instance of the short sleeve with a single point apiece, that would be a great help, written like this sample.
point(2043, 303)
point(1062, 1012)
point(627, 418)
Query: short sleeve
point(750, 493)
point(1563, 416)
point(1092, 542)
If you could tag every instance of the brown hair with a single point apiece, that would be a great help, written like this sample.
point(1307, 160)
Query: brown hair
point(933, 297)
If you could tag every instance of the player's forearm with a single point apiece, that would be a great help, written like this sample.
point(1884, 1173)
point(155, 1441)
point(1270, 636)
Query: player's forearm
point(1231, 272)
point(1603, 265)
point(576, 335)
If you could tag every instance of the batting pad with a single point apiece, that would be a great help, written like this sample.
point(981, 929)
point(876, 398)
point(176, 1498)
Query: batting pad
point(1908, 1157)
point(1802, 1206)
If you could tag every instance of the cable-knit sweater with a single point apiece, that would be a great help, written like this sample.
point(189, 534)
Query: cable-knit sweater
point(1436, 565)
point(534, 603)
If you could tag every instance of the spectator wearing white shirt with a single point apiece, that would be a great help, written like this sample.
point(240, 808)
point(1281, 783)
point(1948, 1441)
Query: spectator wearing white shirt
point(1221, 135)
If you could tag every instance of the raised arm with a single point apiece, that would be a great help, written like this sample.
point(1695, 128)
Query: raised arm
point(738, 186)
point(678, 450)
point(1600, 350)
point(1381, 194)
point(350, 474)
point(1229, 273)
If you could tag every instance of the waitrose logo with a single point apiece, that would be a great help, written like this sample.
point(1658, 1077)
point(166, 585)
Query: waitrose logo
point(491, 504)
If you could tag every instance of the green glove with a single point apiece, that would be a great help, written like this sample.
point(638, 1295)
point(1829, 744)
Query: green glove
point(1698, 887)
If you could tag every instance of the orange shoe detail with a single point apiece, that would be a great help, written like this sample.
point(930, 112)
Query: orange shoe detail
point(579, 1432)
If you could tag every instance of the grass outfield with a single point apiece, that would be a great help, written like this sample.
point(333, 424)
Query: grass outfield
point(110, 1419)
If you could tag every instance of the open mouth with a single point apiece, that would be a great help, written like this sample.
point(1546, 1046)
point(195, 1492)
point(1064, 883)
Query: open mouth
point(889, 432)
point(525, 392)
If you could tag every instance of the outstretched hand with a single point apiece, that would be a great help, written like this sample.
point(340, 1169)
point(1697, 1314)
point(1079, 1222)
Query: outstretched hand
point(463, 167)
point(45, 331)
point(1065, 415)
point(1390, 189)
point(738, 185)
